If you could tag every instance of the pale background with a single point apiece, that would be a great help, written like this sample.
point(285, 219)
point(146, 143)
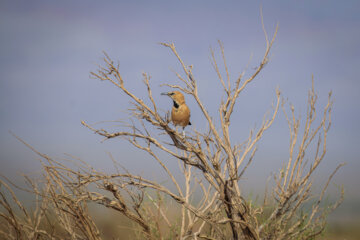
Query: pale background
point(48, 48)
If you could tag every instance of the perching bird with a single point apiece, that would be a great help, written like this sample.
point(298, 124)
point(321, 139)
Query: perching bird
point(180, 113)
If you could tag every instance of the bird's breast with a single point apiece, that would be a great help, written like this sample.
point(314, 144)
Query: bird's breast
point(181, 115)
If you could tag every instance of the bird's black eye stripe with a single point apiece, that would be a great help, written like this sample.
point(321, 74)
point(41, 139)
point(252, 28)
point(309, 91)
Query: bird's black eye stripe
point(171, 94)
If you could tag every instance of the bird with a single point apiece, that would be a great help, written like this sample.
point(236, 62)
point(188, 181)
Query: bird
point(180, 112)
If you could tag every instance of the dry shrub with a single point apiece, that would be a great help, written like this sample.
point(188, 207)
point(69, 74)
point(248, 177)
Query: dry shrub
point(209, 162)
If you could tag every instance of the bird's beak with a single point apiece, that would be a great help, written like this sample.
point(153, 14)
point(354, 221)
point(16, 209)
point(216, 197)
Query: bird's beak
point(165, 93)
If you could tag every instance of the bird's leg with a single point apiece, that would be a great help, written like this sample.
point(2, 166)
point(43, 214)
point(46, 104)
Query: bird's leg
point(176, 129)
point(183, 132)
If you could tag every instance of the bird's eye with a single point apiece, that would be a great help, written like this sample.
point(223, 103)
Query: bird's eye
point(171, 93)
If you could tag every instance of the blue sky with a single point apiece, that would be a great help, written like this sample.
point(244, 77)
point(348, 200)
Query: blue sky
point(48, 49)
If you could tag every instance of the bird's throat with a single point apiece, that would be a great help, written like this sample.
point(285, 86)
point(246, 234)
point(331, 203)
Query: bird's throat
point(176, 105)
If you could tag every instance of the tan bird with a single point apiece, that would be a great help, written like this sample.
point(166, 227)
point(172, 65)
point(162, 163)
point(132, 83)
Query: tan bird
point(180, 112)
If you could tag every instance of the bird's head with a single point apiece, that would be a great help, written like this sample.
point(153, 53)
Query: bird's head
point(176, 96)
